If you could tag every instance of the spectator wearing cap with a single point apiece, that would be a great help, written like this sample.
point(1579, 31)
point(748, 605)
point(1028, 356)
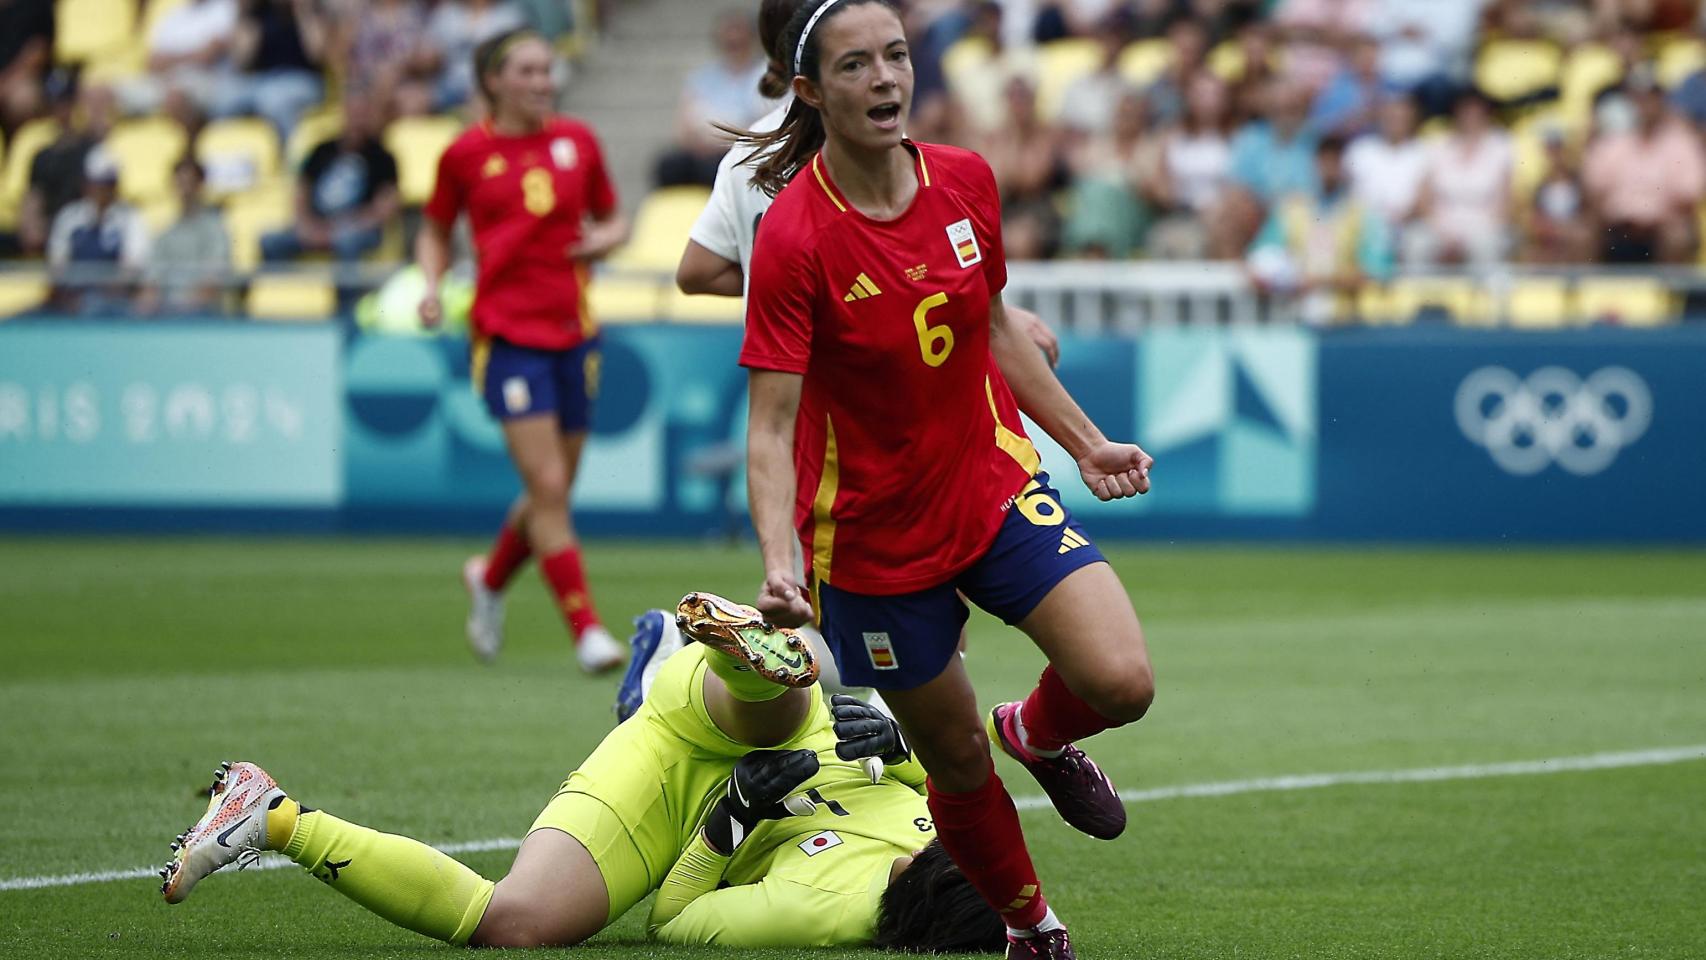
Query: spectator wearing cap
point(279, 51)
point(1321, 244)
point(1464, 210)
point(189, 263)
point(26, 55)
point(56, 172)
point(725, 90)
point(346, 193)
point(97, 244)
point(1644, 183)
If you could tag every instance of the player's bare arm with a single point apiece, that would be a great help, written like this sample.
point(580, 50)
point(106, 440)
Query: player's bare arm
point(773, 405)
point(601, 236)
point(1111, 470)
point(703, 272)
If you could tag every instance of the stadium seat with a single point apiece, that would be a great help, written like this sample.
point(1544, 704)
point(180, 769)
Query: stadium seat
point(89, 29)
point(1624, 301)
point(20, 153)
point(1059, 64)
point(1143, 62)
point(1528, 150)
point(1462, 299)
point(161, 213)
point(681, 308)
point(22, 290)
point(254, 212)
point(1538, 303)
point(291, 296)
point(146, 151)
point(1377, 307)
point(417, 143)
point(1511, 69)
point(1678, 57)
point(1589, 69)
point(237, 154)
point(964, 55)
point(660, 229)
point(1226, 61)
point(617, 300)
point(313, 129)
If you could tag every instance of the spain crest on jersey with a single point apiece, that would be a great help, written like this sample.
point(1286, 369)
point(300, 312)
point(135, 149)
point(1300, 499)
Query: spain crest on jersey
point(964, 240)
point(563, 153)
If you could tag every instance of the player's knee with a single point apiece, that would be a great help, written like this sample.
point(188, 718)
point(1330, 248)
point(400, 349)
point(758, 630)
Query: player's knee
point(1124, 693)
point(958, 760)
point(547, 485)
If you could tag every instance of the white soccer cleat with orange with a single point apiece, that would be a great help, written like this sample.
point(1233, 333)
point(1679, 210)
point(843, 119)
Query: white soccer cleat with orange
point(485, 611)
point(234, 829)
point(598, 651)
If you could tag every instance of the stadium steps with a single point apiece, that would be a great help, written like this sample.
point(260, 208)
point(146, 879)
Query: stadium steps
point(628, 84)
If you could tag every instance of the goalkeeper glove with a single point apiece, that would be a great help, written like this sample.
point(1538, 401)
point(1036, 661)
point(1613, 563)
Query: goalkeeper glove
point(862, 731)
point(759, 790)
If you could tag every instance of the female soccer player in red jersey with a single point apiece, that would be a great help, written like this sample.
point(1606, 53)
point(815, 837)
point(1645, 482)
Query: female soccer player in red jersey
point(884, 429)
point(541, 205)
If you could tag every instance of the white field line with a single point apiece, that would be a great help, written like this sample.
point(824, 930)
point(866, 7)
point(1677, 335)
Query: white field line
point(1225, 788)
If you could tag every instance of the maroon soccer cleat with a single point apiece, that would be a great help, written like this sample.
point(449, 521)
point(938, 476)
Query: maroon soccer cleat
point(1053, 945)
point(1080, 791)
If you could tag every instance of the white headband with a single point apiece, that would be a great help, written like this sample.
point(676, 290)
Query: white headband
point(800, 49)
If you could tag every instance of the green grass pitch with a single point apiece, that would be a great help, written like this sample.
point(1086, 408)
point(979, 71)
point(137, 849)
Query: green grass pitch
point(130, 667)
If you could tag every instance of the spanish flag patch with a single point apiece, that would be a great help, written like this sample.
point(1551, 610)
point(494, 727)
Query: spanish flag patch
point(964, 241)
point(880, 649)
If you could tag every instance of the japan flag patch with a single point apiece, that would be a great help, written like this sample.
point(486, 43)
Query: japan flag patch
point(819, 842)
point(964, 241)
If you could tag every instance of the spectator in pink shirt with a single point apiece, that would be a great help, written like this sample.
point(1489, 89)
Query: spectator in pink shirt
point(1644, 184)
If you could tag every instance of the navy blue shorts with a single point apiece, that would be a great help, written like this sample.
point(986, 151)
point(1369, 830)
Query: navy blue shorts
point(523, 382)
point(898, 642)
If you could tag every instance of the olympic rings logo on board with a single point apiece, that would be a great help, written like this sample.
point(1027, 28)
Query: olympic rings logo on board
point(1554, 417)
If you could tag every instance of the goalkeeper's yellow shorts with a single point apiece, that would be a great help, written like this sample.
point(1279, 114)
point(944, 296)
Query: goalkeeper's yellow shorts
point(635, 803)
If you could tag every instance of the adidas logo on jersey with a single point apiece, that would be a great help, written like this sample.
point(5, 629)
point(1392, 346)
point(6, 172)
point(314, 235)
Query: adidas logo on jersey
point(1071, 540)
point(863, 289)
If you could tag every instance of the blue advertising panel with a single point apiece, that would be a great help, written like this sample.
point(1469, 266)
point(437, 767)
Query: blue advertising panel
point(166, 415)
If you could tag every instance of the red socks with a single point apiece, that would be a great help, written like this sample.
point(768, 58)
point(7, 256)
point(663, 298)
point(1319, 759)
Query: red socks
point(567, 578)
point(980, 830)
point(1054, 716)
point(509, 552)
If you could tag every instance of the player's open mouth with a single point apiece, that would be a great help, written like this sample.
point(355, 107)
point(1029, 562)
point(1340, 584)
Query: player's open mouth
point(886, 116)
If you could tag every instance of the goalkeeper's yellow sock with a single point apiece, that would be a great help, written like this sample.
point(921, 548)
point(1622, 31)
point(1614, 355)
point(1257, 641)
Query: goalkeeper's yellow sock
point(743, 682)
point(405, 881)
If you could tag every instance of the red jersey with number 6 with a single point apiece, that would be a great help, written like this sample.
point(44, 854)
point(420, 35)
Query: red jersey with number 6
point(908, 448)
point(527, 198)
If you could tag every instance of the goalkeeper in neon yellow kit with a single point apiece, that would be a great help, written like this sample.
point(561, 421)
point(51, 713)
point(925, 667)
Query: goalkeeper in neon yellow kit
point(750, 806)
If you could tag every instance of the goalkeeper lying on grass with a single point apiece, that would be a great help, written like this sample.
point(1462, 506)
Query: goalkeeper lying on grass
point(727, 793)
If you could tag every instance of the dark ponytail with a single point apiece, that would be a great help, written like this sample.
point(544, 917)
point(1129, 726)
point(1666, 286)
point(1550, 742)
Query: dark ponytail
point(778, 155)
point(490, 55)
point(773, 19)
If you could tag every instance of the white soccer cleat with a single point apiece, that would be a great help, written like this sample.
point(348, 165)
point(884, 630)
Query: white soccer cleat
point(234, 828)
point(485, 611)
point(598, 651)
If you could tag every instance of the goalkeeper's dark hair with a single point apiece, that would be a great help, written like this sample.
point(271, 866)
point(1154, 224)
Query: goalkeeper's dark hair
point(773, 19)
point(779, 154)
point(932, 908)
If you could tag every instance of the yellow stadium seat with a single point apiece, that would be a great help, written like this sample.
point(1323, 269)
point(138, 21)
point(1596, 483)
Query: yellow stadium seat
point(1538, 303)
point(88, 29)
point(1508, 69)
point(417, 143)
point(1463, 299)
point(22, 290)
point(1678, 58)
point(660, 229)
point(1589, 69)
point(292, 296)
point(1377, 306)
point(967, 54)
point(313, 129)
point(248, 215)
point(146, 151)
point(20, 153)
point(1059, 63)
point(615, 300)
point(1143, 62)
point(1528, 149)
point(1226, 61)
point(681, 308)
point(1625, 301)
point(239, 149)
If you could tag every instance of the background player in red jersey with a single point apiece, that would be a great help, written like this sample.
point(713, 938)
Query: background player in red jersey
point(541, 205)
point(883, 430)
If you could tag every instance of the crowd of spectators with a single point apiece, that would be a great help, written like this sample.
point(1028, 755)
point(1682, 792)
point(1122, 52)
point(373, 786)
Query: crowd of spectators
point(211, 60)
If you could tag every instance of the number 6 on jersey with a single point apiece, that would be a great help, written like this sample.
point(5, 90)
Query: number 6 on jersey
point(934, 343)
